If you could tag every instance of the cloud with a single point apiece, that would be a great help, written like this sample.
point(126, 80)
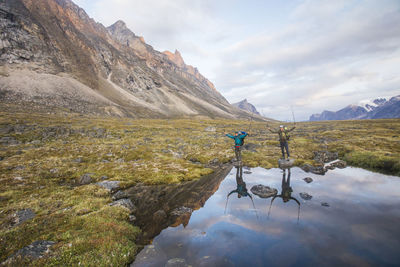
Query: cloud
point(312, 55)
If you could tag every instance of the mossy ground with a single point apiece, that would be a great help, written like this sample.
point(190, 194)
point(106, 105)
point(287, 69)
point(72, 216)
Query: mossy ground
point(90, 232)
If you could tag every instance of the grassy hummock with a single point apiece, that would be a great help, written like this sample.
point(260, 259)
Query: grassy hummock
point(48, 153)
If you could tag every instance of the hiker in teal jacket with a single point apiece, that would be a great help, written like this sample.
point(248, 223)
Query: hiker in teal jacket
point(239, 141)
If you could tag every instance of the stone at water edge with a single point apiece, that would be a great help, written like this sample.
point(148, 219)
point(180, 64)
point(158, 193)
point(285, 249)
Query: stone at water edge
point(305, 196)
point(308, 180)
point(125, 202)
point(151, 255)
point(263, 191)
point(284, 163)
point(324, 204)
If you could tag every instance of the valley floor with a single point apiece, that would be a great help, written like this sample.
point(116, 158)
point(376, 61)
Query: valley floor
point(50, 164)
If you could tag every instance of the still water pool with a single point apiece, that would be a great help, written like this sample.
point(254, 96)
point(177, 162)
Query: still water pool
point(350, 216)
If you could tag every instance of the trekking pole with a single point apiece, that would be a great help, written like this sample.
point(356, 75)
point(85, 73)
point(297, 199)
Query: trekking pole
point(294, 120)
point(251, 120)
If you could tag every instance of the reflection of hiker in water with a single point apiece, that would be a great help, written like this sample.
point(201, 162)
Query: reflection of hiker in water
point(239, 141)
point(241, 189)
point(284, 137)
point(286, 193)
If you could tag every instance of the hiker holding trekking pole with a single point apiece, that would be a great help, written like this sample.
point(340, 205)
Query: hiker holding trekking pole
point(284, 137)
point(239, 141)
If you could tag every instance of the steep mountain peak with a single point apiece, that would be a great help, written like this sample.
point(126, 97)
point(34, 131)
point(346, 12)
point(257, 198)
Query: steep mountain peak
point(245, 105)
point(175, 57)
point(119, 25)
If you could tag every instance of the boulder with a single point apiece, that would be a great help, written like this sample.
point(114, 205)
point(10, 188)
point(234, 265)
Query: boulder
point(111, 186)
point(85, 179)
point(22, 216)
point(308, 180)
point(126, 203)
point(337, 164)
point(263, 191)
point(119, 195)
point(325, 156)
point(316, 170)
point(305, 196)
point(284, 163)
point(34, 251)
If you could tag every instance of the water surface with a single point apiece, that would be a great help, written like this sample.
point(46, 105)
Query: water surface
point(358, 223)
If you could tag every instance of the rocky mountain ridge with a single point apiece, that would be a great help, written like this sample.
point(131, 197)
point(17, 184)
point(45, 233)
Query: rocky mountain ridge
point(245, 105)
point(379, 108)
point(53, 55)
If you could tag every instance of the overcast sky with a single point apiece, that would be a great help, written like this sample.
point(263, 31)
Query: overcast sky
point(310, 55)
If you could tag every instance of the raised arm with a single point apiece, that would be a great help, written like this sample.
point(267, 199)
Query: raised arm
point(230, 136)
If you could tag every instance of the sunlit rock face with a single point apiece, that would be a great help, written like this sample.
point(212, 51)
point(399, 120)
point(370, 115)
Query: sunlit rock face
point(56, 42)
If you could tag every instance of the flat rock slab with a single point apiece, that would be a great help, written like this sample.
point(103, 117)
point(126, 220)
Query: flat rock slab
point(263, 191)
point(305, 196)
point(284, 163)
point(35, 250)
point(111, 186)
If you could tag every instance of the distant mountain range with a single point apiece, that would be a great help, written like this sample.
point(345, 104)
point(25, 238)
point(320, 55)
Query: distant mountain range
point(244, 105)
point(380, 108)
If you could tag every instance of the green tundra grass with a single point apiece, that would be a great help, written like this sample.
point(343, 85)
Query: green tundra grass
point(48, 154)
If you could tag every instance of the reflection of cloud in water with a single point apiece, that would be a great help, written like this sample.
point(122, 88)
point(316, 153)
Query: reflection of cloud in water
point(360, 226)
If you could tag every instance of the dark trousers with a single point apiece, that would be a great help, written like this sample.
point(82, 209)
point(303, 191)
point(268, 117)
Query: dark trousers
point(285, 145)
point(238, 153)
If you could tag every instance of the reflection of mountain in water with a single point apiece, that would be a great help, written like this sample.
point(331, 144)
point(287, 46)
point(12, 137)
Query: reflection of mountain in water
point(161, 206)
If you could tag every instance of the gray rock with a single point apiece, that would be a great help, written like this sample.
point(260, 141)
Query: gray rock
point(125, 202)
point(247, 172)
point(36, 142)
point(85, 179)
point(104, 177)
point(151, 255)
point(119, 195)
point(308, 180)
point(316, 170)
point(305, 196)
point(176, 262)
point(6, 140)
point(22, 216)
point(210, 129)
point(325, 156)
point(159, 216)
point(132, 218)
point(36, 250)
point(324, 204)
point(263, 191)
point(284, 163)
point(55, 170)
point(111, 186)
point(338, 164)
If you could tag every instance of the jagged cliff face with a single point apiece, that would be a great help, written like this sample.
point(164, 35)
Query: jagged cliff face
point(53, 54)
